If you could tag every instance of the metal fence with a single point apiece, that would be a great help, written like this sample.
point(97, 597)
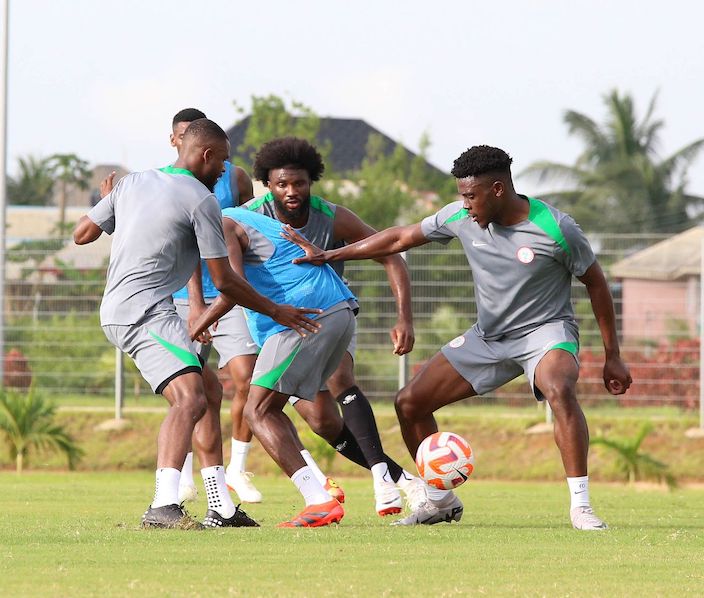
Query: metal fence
point(53, 338)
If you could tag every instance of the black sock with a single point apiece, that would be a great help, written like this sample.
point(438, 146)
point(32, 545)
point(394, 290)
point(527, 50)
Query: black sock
point(346, 444)
point(359, 418)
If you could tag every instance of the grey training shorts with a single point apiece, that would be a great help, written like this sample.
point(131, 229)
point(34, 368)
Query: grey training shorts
point(294, 365)
point(160, 346)
point(488, 364)
point(231, 338)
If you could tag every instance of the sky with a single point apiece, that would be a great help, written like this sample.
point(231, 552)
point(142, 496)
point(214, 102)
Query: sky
point(103, 79)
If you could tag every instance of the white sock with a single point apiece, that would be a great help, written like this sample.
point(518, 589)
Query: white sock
point(166, 492)
point(437, 496)
point(310, 487)
point(215, 489)
point(579, 491)
point(239, 452)
point(405, 480)
point(380, 473)
point(310, 462)
point(187, 472)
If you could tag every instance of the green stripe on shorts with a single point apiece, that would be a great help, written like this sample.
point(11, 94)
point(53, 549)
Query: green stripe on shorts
point(183, 354)
point(566, 346)
point(270, 379)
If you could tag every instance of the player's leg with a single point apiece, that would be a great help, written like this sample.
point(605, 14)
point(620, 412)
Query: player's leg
point(555, 379)
point(165, 357)
point(276, 433)
point(238, 478)
point(464, 367)
point(292, 365)
point(438, 383)
point(237, 351)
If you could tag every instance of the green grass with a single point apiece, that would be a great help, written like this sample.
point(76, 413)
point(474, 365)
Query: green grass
point(77, 534)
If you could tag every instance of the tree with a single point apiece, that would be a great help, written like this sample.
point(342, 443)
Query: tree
point(27, 423)
point(619, 173)
point(68, 169)
point(34, 184)
point(269, 118)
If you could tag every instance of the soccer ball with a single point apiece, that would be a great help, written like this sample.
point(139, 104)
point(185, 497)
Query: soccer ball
point(445, 460)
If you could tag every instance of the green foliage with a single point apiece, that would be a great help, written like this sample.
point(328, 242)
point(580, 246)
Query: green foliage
point(27, 424)
point(271, 118)
point(632, 462)
point(62, 350)
point(34, 185)
point(68, 169)
point(620, 173)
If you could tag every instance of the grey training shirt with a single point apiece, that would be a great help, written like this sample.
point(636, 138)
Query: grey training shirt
point(163, 222)
point(522, 273)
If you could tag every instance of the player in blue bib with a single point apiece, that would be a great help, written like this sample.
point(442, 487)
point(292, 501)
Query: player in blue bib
point(287, 364)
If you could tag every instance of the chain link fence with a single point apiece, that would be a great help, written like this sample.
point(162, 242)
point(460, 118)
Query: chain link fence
point(53, 338)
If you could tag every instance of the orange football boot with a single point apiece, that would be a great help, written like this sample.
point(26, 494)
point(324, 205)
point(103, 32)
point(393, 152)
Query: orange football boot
point(317, 515)
point(335, 490)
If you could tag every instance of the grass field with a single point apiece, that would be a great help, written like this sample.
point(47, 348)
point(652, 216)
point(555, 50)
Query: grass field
point(77, 534)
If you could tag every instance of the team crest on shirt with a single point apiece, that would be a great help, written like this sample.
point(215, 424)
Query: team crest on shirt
point(457, 342)
point(525, 255)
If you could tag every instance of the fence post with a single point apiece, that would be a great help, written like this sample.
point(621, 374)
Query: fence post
point(119, 383)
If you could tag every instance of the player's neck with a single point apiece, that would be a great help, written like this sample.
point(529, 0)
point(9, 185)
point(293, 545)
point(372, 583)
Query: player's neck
point(516, 210)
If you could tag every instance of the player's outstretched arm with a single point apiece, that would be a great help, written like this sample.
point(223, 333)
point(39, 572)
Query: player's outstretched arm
point(386, 242)
point(350, 228)
point(617, 377)
point(86, 231)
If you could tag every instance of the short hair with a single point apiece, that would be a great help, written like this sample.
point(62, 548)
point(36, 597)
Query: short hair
point(187, 115)
point(288, 151)
point(204, 129)
point(481, 159)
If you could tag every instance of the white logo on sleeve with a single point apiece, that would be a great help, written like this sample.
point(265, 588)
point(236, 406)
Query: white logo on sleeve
point(457, 342)
point(478, 244)
point(525, 255)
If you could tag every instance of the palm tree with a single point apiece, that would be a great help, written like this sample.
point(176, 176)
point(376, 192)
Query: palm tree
point(68, 169)
point(27, 423)
point(634, 463)
point(618, 182)
point(34, 184)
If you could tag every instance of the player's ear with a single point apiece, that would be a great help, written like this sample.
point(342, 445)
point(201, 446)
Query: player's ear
point(172, 140)
point(498, 188)
point(207, 155)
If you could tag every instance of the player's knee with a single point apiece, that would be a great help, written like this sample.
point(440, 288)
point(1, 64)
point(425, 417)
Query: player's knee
point(213, 390)
point(195, 404)
point(340, 381)
point(560, 394)
point(407, 406)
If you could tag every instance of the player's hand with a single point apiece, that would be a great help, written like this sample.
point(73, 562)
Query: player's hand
point(314, 255)
point(617, 377)
point(107, 184)
point(295, 318)
point(204, 338)
point(403, 337)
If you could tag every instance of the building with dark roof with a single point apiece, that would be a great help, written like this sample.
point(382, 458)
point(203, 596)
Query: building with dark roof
point(346, 137)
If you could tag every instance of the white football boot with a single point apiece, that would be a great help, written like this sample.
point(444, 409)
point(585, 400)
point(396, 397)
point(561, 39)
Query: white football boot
point(583, 518)
point(429, 513)
point(240, 482)
point(388, 499)
point(415, 493)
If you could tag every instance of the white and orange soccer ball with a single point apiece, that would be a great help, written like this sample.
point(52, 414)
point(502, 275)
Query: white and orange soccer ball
point(445, 460)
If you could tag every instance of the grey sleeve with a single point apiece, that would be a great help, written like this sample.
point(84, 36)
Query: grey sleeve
point(435, 227)
point(103, 213)
point(581, 255)
point(207, 224)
